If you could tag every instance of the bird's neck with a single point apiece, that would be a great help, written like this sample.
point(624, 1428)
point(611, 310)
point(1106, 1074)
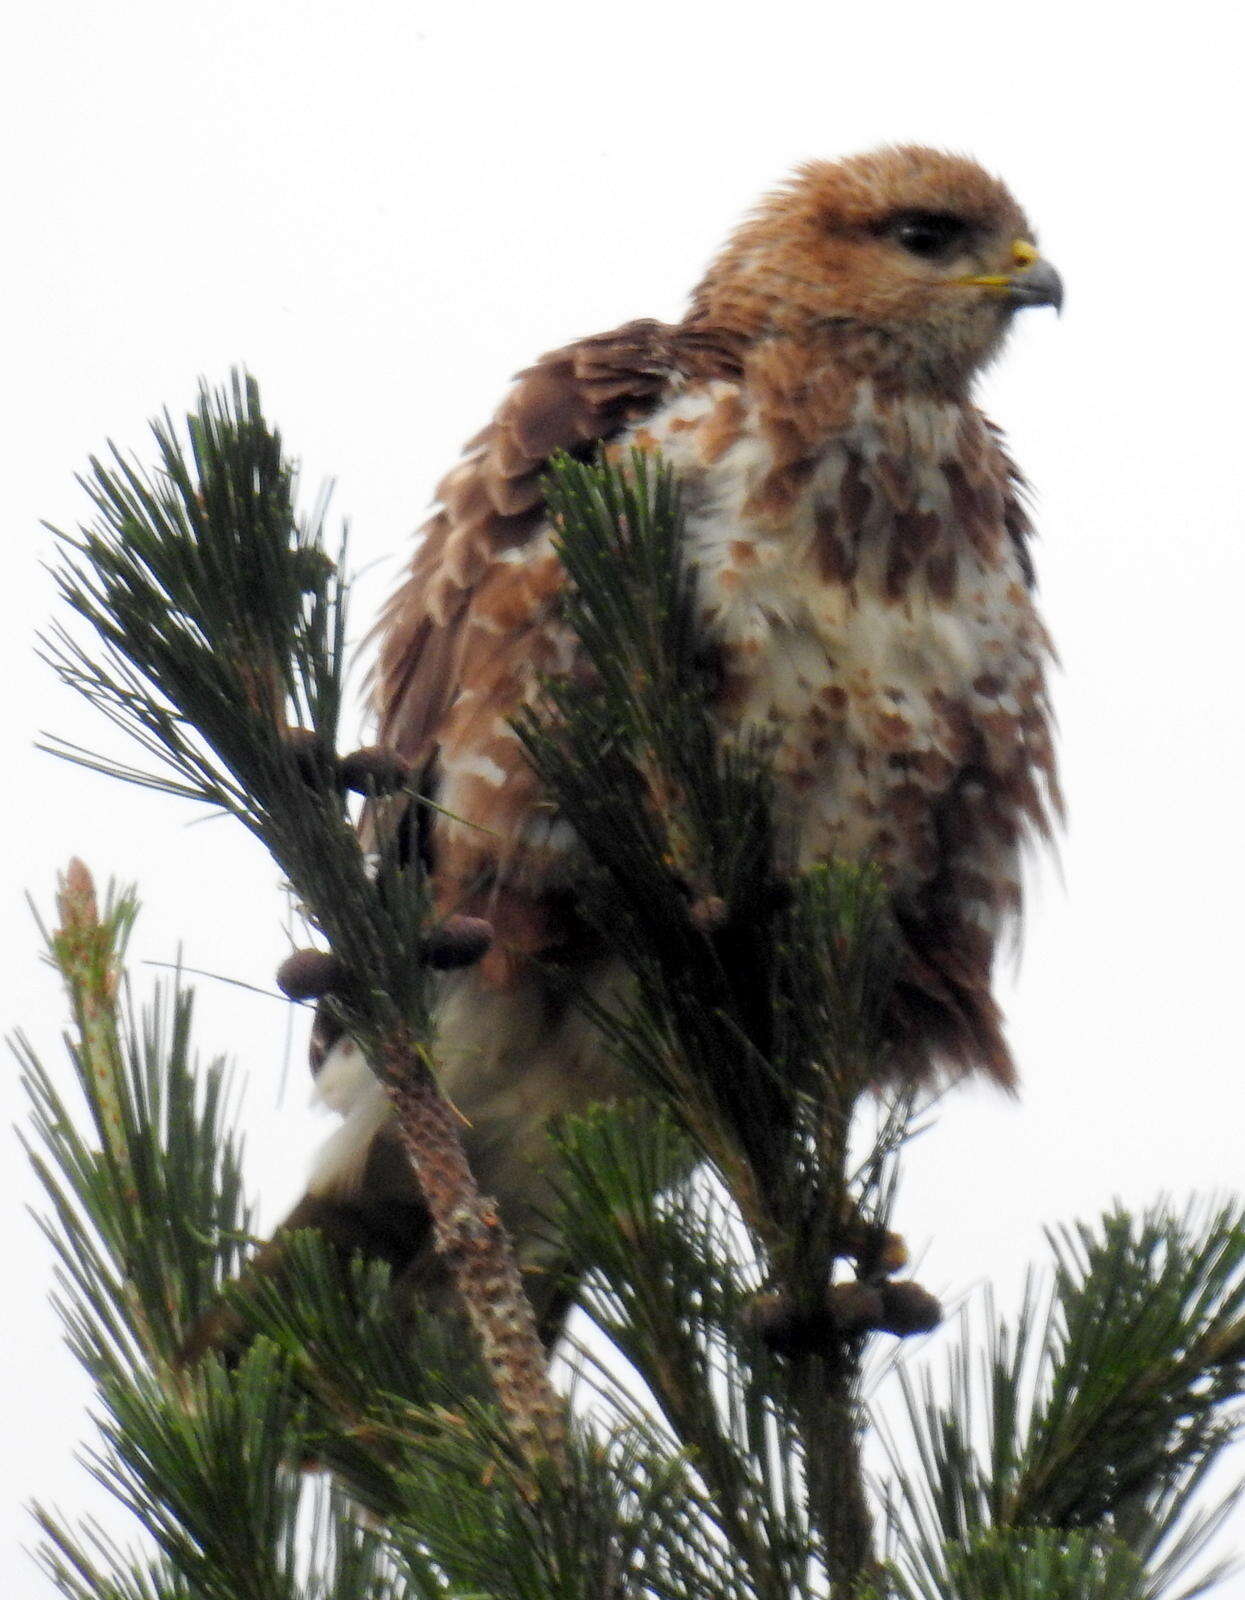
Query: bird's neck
point(829, 392)
point(822, 363)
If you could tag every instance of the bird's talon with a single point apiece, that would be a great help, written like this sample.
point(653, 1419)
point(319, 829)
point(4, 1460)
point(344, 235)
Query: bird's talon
point(876, 1252)
point(908, 1309)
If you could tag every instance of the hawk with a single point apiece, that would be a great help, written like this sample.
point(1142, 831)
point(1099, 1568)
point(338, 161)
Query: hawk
point(864, 581)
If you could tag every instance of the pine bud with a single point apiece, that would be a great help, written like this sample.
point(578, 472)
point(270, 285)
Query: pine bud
point(373, 770)
point(708, 913)
point(907, 1308)
point(854, 1307)
point(309, 974)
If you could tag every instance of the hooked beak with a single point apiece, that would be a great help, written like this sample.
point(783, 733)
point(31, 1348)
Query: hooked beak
point(1033, 283)
point(1038, 285)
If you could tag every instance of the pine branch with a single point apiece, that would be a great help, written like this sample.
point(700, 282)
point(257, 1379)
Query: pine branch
point(1146, 1355)
point(1036, 1565)
point(229, 1518)
point(220, 627)
point(165, 1149)
point(671, 1294)
point(1102, 1410)
point(205, 1460)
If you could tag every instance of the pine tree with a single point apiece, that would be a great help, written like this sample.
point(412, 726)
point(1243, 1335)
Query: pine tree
point(725, 1231)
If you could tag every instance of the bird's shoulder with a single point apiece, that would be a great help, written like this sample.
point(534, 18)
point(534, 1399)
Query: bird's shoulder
point(490, 506)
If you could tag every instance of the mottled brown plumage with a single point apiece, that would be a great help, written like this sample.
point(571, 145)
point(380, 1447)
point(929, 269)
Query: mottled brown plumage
point(864, 581)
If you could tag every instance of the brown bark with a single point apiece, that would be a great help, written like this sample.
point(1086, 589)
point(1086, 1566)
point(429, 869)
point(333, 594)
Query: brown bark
point(470, 1236)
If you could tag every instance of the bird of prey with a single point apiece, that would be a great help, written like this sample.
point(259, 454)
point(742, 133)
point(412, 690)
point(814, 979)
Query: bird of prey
point(864, 584)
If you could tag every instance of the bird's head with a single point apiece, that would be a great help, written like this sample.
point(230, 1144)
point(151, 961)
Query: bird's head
point(905, 259)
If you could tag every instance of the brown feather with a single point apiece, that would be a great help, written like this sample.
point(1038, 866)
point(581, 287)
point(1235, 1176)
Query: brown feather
point(578, 396)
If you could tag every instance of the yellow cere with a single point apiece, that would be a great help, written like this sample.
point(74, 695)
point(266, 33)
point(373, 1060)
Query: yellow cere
point(1024, 254)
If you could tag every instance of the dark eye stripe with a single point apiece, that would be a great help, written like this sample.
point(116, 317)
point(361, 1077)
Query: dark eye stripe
point(930, 235)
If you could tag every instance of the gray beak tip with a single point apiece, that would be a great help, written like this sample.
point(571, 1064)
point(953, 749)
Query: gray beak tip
point(1038, 285)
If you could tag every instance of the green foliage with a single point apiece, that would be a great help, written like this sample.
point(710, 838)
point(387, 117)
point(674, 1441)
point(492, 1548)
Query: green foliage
point(219, 626)
point(672, 1278)
point(216, 609)
point(1101, 1410)
point(694, 1487)
point(147, 1219)
point(159, 1142)
point(1040, 1564)
point(207, 1460)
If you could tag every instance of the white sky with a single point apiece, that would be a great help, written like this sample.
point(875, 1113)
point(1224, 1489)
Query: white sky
point(384, 209)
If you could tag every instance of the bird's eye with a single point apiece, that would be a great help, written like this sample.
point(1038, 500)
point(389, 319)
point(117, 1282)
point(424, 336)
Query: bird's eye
point(931, 235)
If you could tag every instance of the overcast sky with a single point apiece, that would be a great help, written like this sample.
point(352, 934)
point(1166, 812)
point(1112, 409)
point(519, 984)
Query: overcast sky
point(385, 209)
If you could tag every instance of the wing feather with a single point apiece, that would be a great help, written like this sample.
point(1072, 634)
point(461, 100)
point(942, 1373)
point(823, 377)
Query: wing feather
point(572, 399)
